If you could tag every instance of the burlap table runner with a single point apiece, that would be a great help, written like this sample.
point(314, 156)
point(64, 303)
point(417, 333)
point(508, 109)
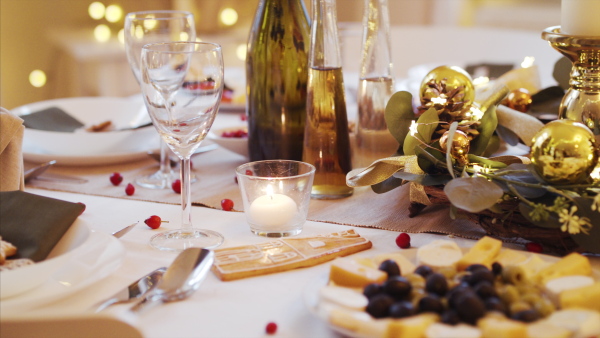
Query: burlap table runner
point(215, 171)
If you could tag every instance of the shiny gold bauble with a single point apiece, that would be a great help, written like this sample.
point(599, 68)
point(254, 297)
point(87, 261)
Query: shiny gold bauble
point(460, 146)
point(564, 152)
point(519, 99)
point(453, 77)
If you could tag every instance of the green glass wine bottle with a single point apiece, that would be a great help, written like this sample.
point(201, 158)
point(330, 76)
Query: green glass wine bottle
point(276, 79)
point(326, 137)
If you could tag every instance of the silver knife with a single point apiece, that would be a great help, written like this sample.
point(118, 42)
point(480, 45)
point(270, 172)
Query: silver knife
point(134, 291)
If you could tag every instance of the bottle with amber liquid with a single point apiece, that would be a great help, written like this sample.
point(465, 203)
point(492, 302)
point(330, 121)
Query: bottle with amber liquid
point(276, 79)
point(326, 137)
point(376, 85)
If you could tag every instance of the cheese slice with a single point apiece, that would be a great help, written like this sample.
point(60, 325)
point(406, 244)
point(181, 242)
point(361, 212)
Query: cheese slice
point(350, 273)
point(483, 252)
point(439, 254)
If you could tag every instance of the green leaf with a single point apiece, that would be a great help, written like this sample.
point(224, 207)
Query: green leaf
point(590, 242)
point(387, 185)
point(486, 161)
point(431, 161)
point(399, 114)
point(426, 125)
point(426, 180)
point(473, 194)
point(486, 129)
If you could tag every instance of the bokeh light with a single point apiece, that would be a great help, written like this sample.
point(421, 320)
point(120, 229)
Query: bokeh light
point(102, 33)
point(96, 10)
point(528, 62)
point(183, 36)
point(240, 52)
point(37, 78)
point(229, 16)
point(150, 24)
point(114, 13)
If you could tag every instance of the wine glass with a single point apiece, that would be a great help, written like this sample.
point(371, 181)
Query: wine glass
point(182, 84)
point(149, 27)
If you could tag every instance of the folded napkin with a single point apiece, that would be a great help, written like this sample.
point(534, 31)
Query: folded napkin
point(11, 155)
point(51, 119)
point(34, 224)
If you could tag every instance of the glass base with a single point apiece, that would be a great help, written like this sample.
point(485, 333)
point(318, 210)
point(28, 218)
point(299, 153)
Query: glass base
point(158, 181)
point(180, 239)
point(330, 192)
point(276, 233)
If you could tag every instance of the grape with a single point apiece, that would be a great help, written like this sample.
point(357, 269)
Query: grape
point(431, 303)
point(397, 287)
point(379, 305)
point(485, 290)
point(390, 267)
point(372, 290)
point(527, 316)
point(402, 309)
point(436, 283)
point(469, 308)
point(480, 275)
point(450, 317)
point(423, 270)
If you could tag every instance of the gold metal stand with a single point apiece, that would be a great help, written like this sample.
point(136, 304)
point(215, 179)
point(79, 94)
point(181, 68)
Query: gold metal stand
point(581, 103)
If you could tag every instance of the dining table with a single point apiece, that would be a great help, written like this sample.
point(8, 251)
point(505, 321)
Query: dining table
point(238, 308)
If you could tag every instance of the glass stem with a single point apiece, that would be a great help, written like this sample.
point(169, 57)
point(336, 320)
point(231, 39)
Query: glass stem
point(165, 163)
point(186, 194)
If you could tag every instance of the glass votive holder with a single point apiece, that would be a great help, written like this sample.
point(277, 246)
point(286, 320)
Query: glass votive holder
point(276, 194)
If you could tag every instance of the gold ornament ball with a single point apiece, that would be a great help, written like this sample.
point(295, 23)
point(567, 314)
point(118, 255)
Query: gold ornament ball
point(454, 77)
point(564, 152)
point(460, 146)
point(519, 99)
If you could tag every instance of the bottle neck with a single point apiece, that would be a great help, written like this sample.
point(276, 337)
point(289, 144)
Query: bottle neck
point(376, 58)
point(324, 51)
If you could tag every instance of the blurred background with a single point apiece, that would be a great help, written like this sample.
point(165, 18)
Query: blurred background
point(64, 48)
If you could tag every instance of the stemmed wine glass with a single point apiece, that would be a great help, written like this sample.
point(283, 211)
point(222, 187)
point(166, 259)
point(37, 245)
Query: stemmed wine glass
point(182, 84)
point(150, 27)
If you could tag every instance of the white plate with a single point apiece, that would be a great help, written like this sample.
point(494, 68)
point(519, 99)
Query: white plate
point(17, 281)
point(311, 291)
point(87, 148)
point(238, 145)
point(99, 256)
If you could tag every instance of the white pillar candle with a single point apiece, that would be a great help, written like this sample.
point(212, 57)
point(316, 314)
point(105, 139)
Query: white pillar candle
point(580, 17)
point(273, 211)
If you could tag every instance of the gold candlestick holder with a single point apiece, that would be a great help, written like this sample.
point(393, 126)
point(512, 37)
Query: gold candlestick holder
point(581, 102)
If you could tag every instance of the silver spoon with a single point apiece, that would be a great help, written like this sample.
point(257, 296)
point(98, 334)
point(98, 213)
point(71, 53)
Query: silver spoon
point(181, 279)
point(134, 291)
point(37, 171)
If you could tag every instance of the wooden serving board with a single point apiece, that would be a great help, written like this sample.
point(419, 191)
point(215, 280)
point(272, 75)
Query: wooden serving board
point(285, 254)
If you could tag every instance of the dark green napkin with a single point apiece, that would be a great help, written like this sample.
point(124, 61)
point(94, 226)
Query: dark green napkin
point(51, 119)
point(34, 224)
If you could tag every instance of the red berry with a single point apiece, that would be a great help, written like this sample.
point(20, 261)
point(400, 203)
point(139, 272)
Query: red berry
point(243, 117)
point(130, 189)
point(403, 240)
point(116, 178)
point(176, 186)
point(227, 204)
point(82, 210)
point(153, 221)
point(534, 247)
point(249, 172)
point(271, 328)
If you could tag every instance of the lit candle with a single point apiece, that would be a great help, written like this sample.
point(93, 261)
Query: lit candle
point(580, 17)
point(273, 210)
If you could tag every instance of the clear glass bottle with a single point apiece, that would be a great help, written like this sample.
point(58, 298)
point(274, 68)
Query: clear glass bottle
point(276, 79)
point(376, 86)
point(326, 137)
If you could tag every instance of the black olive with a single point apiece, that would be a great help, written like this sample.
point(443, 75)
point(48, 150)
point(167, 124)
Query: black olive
point(497, 269)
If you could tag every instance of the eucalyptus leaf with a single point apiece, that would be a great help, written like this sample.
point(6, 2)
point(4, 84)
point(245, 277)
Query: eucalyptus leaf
point(486, 161)
point(426, 180)
point(520, 173)
point(486, 129)
point(399, 114)
point(431, 161)
point(389, 184)
point(493, 146)
point(427, 123)
point(507, 135)
point(591, 241)
point(473, 194)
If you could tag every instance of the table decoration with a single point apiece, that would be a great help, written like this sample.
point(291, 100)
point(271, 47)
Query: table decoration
point(445, 156)
point(276, 195)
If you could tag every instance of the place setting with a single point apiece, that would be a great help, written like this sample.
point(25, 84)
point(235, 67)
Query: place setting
point(289, 196)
